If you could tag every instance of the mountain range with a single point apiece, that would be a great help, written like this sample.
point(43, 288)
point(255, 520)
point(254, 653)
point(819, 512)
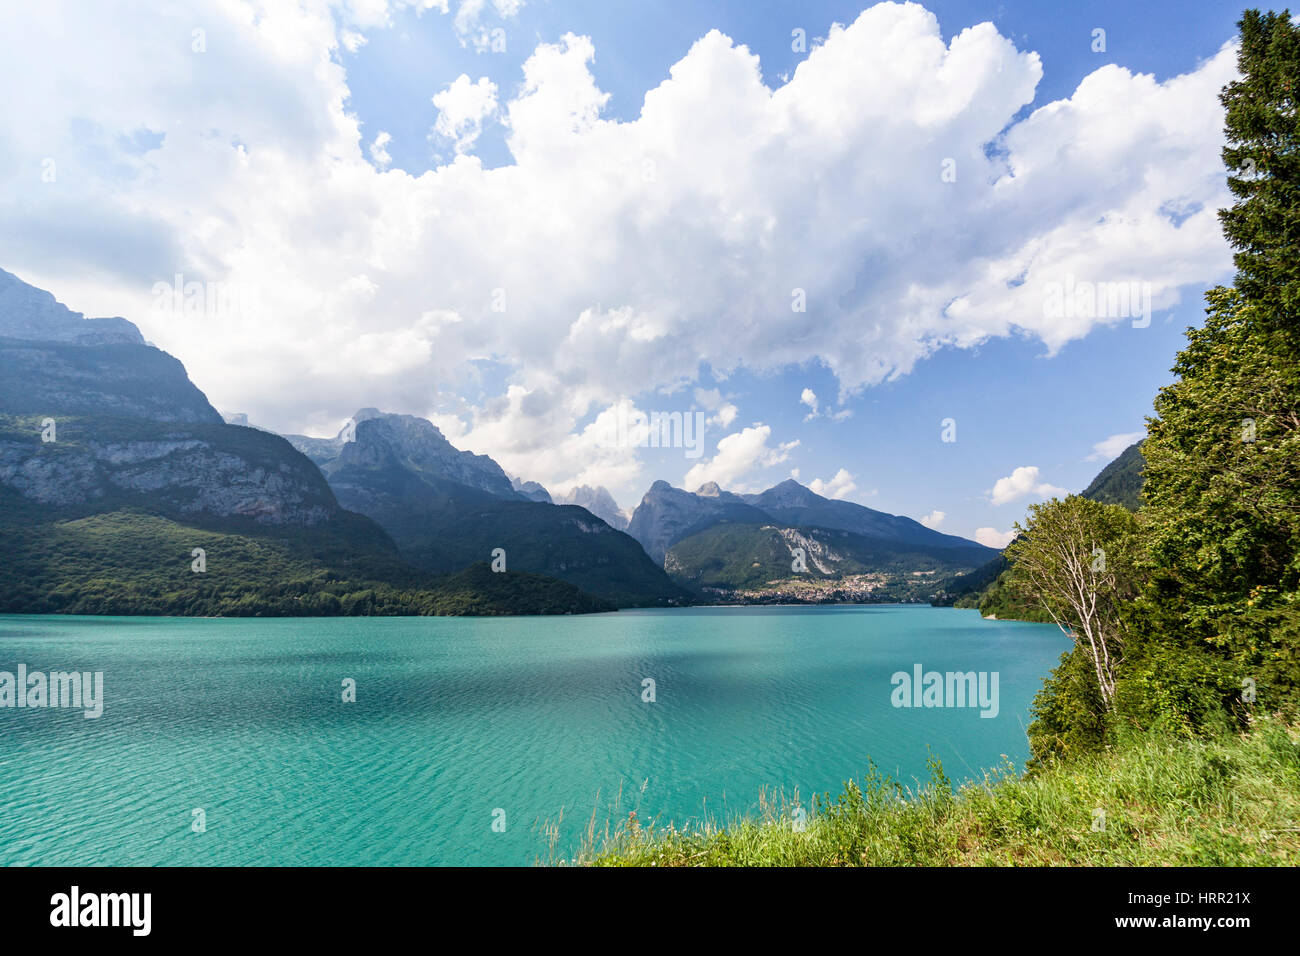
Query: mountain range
point(122, 490)
point(446, 508)
point(789, 543)
point(598, 501)
point(115, 471)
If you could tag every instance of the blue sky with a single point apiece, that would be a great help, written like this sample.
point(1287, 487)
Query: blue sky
point(374, 175)
point(1010, 401)
point(638, 40)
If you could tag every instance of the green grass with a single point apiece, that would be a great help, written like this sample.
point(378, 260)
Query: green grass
point(1226, 801)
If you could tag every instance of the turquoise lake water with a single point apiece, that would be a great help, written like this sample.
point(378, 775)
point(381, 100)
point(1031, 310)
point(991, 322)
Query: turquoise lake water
point(456, 718)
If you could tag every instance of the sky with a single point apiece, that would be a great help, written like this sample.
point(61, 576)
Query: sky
point(936, 259)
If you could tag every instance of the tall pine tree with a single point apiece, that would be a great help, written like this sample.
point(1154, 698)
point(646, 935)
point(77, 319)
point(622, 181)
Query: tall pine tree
point(1263, 159)
point(1222, 479)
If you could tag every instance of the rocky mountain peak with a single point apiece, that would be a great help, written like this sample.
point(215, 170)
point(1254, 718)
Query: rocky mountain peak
point(531, 490)
point(33, 314)
point(365, 415)
point(788, 493)
point(384, 440)
point(667, 515)
point(598, 501)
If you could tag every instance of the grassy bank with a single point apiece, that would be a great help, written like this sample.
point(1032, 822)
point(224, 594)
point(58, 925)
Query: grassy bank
point(1227, 801)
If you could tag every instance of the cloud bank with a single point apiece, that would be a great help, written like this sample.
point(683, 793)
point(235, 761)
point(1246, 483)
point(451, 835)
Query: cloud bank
point(888, 200)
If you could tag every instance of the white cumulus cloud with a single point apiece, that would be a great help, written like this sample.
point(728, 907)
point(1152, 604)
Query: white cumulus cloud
point(379, 150)
point(841, 485)
point(739, 454)
point(462, 108)
point(934, 518)
point(1021, 482)
point(993, 538)
point(588, 269)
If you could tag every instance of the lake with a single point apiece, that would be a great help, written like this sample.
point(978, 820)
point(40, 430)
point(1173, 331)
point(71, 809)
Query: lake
point(462, 723)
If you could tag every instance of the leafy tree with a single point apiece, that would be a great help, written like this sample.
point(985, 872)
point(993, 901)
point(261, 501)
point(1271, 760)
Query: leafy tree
point(1223, 501)
point(1223, 473)
point(1070, 717)
point(1198, 618)
point(1075, 559)
point(1215, 627)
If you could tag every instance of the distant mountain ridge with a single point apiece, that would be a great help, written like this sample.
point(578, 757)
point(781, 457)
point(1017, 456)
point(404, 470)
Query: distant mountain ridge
point(404, 441)
point(792, 503)
point(130, 428)
point(756, 563)
point(29, 313)
point(446, 508)
point(123, 491)
point(56, 361)
point(532, 491)
point(598, 501)
point(789, 544)
point(667, 515)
